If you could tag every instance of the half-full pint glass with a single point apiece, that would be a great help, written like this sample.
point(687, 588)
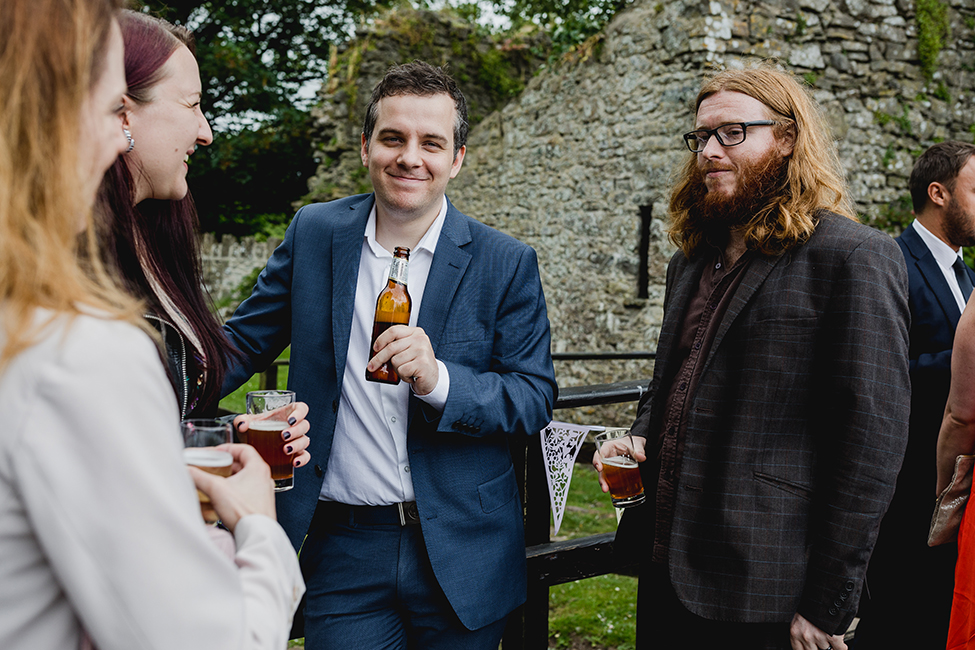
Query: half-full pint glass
point(264, 434)
point(621, 471)
point(200, 437)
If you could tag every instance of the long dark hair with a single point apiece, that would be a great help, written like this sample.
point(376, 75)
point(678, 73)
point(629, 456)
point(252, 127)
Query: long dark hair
point(160, 237)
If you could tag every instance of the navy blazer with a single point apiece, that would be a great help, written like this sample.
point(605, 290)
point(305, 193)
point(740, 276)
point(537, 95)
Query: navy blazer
point(794, 436)
point(934, 312)
point(484, 312)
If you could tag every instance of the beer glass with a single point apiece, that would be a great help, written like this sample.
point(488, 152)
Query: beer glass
point(621, 471)
point(264, 434)
point(200, 437)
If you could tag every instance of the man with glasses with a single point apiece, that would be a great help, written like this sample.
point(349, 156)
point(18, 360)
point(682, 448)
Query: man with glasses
point(776, 420)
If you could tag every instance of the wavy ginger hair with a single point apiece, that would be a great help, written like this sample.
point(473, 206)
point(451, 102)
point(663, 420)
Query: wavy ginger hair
point(51, 54)
point(813, 180)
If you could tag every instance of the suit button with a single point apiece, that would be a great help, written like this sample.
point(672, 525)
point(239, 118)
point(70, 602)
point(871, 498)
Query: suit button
point(833, 611)
point(844, 596)
point(318, 471)
point(849, 585)
point(477, 429)
point(837, 603)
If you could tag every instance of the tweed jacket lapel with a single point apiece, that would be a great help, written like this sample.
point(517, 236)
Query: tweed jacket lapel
point(758, 269)
point(346, 252)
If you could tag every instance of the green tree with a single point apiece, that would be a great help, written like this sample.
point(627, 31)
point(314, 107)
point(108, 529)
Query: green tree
point(255, 58)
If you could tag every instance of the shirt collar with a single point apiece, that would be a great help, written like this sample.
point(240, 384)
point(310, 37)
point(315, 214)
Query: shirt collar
point(427, 243)
point(944, 254)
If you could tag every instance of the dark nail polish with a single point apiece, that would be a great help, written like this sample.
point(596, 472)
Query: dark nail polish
point(286, 435)
point(289, 449)
point(292, 420)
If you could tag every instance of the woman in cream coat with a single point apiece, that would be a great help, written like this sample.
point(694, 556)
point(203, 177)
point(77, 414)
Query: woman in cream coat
point(101, 539)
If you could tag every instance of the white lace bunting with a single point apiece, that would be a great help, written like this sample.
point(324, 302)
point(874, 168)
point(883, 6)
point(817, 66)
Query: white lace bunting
point(561, 443)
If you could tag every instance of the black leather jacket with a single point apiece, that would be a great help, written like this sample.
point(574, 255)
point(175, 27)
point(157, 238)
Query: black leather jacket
point(182, 365)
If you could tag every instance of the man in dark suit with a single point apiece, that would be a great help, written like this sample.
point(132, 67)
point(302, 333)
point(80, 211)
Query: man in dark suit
point(410, 527)
point(940, 283)
point(776, 419)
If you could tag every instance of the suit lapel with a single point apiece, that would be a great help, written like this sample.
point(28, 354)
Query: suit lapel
point(928, 267)
point(449, 265)
point(450, 262)
point(758, 269)
point(346, 252)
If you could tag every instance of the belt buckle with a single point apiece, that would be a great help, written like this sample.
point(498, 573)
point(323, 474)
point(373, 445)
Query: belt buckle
point(408, 513)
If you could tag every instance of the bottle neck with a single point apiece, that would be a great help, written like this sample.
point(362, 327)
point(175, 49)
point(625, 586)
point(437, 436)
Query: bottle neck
point(398, 270)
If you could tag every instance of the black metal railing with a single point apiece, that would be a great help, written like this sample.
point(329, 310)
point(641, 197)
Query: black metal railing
point(551, 563)
point(269, 378)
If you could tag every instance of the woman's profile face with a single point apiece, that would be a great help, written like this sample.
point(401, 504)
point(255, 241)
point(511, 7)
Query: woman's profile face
point(167, 130)
point(102, 139)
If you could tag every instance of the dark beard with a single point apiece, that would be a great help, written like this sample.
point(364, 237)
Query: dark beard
point(758, 184)
point(958, 225)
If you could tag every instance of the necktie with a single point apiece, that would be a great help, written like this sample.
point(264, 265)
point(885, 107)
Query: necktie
point(964, 282)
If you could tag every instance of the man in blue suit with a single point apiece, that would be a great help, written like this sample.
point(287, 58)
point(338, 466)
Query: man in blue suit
point(910, 585)
point(410, 526)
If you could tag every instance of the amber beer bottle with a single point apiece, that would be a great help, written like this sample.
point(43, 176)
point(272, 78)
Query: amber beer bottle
point(392, 308)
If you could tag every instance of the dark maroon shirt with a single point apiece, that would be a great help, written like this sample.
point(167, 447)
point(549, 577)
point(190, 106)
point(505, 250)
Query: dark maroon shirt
point(705, 312)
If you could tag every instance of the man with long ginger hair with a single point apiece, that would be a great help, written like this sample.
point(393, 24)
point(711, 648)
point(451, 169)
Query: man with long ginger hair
point(776, 420)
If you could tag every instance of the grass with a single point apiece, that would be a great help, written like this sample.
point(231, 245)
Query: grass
point(236, 402)
point(601, 610)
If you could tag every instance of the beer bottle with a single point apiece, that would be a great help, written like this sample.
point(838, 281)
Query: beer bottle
point(392, 308)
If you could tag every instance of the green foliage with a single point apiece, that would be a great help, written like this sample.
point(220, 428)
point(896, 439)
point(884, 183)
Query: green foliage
point(570, 22)
point(244, 183)
point(880, 118)
point(932, 30)
point(254, 57)
point(801, 25)
point(241, 291)
point(895, 216)
point(888, 156)
point(970, 22)
point(811, 78)
point(942, 93)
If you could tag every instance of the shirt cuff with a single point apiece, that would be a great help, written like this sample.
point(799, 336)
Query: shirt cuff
point(437, 398)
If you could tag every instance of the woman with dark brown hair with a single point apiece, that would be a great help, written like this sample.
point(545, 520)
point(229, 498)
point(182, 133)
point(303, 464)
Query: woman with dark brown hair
point(151, 221)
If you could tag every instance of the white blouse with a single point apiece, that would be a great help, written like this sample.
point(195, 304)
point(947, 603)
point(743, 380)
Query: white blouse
point(100, 527)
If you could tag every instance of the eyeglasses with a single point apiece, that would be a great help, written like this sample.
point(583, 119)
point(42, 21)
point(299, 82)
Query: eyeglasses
point(728, 135)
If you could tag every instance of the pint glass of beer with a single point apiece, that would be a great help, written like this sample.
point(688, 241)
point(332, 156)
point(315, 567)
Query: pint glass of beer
point(621, 471)
point(264, 433)
point(200, 437)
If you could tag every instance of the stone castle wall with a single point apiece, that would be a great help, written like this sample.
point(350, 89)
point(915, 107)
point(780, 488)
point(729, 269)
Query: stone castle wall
point(572, 162)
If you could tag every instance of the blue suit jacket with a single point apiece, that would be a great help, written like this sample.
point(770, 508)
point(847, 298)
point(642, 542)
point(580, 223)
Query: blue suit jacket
point(484, 312)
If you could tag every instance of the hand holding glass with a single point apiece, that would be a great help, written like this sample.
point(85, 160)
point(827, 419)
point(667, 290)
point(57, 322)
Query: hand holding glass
point(200, 437)
point(264, 434)
point(614, 447)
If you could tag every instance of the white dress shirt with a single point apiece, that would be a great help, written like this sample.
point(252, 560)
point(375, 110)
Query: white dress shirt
point(369, 463)
point(945, 256)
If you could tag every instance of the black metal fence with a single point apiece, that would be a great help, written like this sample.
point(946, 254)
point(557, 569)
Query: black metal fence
point(551, 563)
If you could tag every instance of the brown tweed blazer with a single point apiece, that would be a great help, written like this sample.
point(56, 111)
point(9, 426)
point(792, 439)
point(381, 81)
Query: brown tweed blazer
point(795, 434)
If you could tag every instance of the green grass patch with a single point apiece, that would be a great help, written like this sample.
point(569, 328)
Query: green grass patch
point(236, 402)
point(600, 610)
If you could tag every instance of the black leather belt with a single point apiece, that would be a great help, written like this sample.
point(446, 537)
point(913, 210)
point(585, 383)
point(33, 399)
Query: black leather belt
point(398, 514)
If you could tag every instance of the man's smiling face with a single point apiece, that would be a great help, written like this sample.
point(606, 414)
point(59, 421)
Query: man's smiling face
point(411, 154)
